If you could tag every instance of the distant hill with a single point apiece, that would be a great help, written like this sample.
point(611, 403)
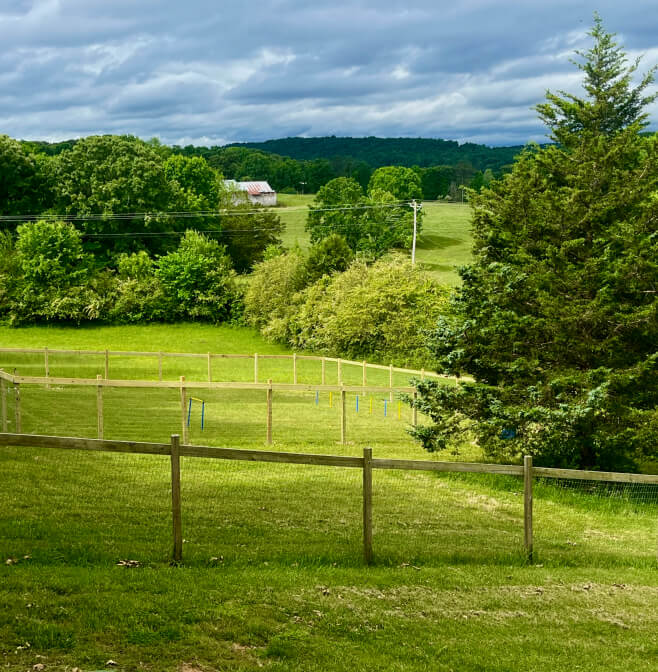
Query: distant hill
point(378, 152)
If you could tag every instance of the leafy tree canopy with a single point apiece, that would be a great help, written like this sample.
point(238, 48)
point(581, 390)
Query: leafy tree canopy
point(403, 183)
point(109, 175)
point(247, 231)
point(371, 224)
point(557, 317)
point(24, 184)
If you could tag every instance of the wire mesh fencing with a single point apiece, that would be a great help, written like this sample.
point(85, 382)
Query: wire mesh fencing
point(424, 518)
point(77, 507)
point(236, 512)
point(580, 521)
point(68, 500)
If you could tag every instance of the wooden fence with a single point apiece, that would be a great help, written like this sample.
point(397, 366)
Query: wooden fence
point(367, 463)
point(183, 385)
point(210, 356)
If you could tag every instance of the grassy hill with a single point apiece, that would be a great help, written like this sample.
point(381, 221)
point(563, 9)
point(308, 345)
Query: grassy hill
point(443, 245)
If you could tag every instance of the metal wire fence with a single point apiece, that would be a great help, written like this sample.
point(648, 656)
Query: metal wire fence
point(81, 501)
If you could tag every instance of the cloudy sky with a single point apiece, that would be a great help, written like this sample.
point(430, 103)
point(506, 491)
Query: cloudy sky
point(212, 71)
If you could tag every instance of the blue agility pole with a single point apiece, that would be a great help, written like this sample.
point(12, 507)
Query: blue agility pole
point(317, 397)
point(357, 403)
point(384, 407)
point(203, 410)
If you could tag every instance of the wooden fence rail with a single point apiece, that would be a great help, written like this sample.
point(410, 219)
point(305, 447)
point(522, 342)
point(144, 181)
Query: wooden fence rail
point(210, 356)
point(366, 463)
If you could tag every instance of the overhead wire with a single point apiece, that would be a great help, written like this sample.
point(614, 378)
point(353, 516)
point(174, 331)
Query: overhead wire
point(192, 213)
point(203, 214)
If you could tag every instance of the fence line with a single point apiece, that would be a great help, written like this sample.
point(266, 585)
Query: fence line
point(183, 386)
point(209, 356)
point(366, 463)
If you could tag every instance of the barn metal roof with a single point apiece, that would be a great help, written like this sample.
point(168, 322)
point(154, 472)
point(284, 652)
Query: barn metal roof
point(253, 188)
point(256, 188)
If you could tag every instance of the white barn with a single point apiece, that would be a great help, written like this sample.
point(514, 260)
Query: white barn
point(256, 192)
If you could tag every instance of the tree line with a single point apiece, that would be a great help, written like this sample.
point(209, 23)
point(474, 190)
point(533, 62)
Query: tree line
point(291, 174)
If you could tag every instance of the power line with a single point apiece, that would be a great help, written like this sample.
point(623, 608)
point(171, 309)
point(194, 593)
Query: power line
point(191, 214)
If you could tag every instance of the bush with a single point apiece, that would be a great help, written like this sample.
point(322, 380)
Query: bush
point(270, 297)
point(330, 255)
point(138, 295)
point(53, 278)
point(197, 280)
point(376, 312)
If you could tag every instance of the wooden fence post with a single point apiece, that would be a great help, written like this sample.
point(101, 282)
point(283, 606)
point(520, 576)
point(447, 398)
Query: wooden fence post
point(99, 407)
point(294, 368)
point(367, 505)
point(255, 367)
point(17, 408)
point(324, 370)
point(46, 364)
point(209, 368)
point(160, 366)
point(3, 392)
point(527, 505)
point(183, 409)
point(390, 380)
point(414, 420)
point(107, 364)
point(343, 417)
point(364, 377)
point(269, 412)
point(176, 498)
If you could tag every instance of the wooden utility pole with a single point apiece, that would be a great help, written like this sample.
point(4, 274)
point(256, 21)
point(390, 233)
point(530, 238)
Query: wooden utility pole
point(413, 245)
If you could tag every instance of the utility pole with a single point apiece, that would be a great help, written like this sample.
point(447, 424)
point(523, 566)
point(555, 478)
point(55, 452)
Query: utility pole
point(413, 245)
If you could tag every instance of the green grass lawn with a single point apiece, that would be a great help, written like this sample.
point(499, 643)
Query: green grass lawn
point(443, 245)
point(445, 241)
point(272, 575)
point(293, 211)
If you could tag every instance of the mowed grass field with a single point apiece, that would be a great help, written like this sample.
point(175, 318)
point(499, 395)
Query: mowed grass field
point(443, 245)
point(272, 575)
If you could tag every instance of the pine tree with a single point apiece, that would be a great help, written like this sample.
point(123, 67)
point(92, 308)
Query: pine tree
point(557, 316)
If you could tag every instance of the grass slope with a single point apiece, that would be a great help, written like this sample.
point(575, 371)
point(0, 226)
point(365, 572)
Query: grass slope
point(273, 576)
point(443, 245)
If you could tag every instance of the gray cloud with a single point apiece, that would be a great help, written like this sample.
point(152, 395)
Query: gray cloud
point(207, 72)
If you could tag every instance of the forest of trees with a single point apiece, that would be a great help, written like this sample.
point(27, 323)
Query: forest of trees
point(304, 165)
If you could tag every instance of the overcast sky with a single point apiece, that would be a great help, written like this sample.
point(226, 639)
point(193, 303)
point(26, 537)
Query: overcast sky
point(211, 72)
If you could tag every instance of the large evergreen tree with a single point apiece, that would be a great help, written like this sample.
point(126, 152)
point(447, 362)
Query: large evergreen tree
point(557, 317)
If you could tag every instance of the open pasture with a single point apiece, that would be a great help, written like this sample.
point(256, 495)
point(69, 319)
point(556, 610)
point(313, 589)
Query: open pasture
point(273, 575)
point(443, 245)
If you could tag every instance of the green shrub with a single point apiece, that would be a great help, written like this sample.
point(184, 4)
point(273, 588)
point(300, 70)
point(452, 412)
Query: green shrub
point(376, 312)
point(270, 297)
point(54, 275)
point(138, 295)
point(330, 255)
point(197, 280)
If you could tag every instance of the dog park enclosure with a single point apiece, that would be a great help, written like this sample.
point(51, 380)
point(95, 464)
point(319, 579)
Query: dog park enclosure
point(376, 506)
point(340, 382)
